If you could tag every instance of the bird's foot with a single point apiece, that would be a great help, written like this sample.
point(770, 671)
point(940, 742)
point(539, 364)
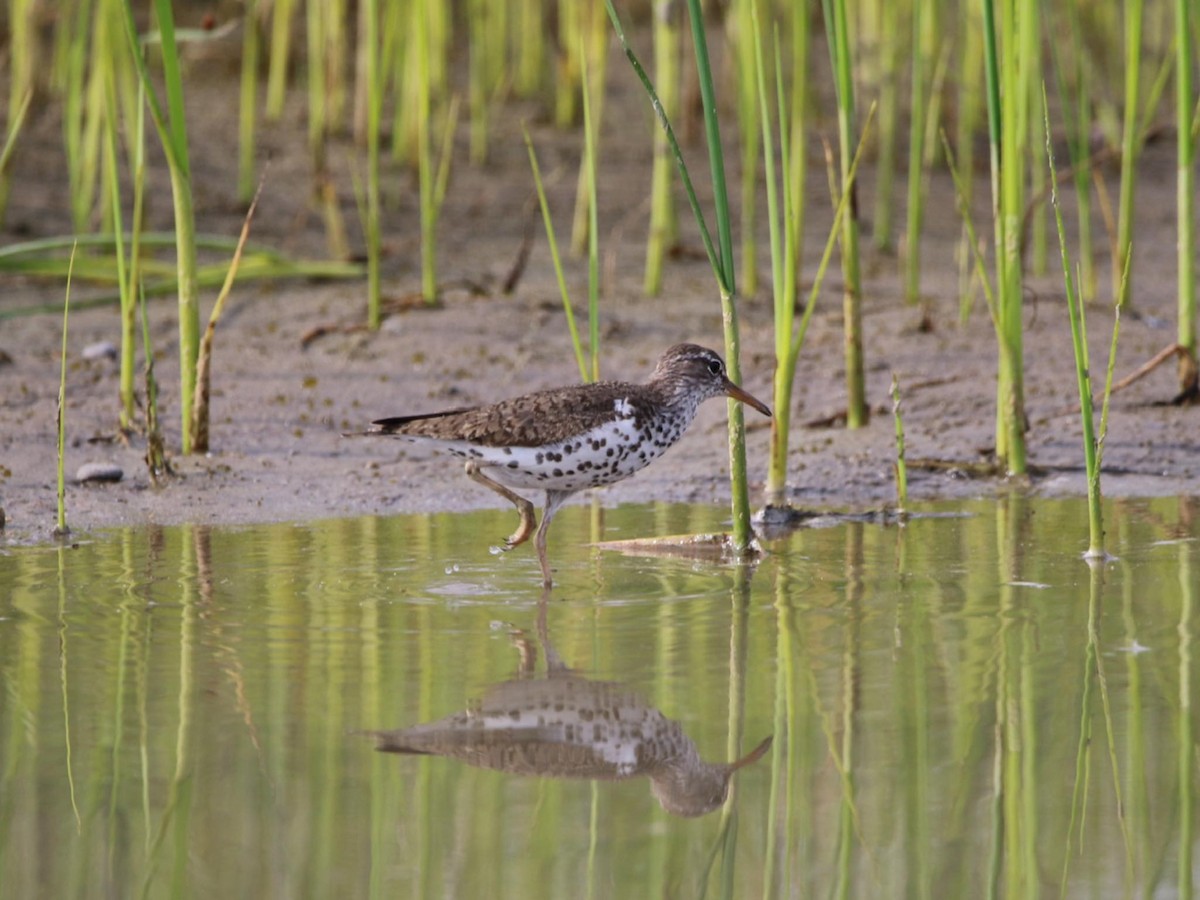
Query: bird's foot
point(524, 530)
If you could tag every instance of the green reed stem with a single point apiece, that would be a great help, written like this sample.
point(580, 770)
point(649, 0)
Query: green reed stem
point(789, 338)
point(317, 67)
point(481, 69)
point(572, 328)
point(916, 156)
point(569, 68)
point(1130, 145)
point(593, 70)
point(716, 158)
point(593, 238)
point(531, 47)
point(1007, 128)
point(425, 175)
point(781, 245)
point(16, 121)
point(1079, 122)
point(78, 113)
point(112, 176)
point(838, 38)
point(722, 261)
point(901, 465)
point(889, 117)
point(664, 223)
point(680, 166)
point(1185, 187)
point(281, 44)
point(248, 101)
point(962, 193)
point(374, 118)
point(743, 19)
point(1075, 309)
point(739, 489)
point(969, 109)
point(60, 527)
point(22, 62)
point(172, 132)
point(797, 160)
point(1034, 78)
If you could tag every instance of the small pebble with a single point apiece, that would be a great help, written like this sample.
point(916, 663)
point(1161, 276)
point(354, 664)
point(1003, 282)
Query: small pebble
point(100, 350)
point(99, 472)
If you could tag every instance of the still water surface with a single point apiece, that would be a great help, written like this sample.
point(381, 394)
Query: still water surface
point(959, 708)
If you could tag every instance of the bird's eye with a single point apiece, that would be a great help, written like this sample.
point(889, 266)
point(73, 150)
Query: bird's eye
point(715, 367)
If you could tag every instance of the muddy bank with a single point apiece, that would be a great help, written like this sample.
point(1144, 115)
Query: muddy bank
point(280, 407)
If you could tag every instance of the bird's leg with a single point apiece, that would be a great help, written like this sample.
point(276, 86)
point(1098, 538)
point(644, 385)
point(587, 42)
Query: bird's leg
point(524, 507)
point(554, 499)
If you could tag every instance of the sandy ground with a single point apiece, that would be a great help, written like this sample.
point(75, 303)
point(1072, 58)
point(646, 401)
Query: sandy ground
point(279, 408)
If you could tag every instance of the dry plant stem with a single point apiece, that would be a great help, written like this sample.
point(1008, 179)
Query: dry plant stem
point(156, 456)
point(1176, 351)
point(200, 407)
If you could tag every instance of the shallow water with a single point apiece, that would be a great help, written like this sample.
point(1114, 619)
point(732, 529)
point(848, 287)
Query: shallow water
point(960, 707)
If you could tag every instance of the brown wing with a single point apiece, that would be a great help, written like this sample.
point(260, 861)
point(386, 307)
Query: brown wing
point(546, 417)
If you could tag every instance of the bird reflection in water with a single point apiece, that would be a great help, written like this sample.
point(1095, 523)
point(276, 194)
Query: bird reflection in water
point(563, 725)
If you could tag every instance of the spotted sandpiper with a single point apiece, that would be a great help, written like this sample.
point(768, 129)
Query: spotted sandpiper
point(567, 439)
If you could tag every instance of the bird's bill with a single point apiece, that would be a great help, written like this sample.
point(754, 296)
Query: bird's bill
point(749, 399)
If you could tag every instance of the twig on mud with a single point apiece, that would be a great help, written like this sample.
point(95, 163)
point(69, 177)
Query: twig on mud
point(1166, 353)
